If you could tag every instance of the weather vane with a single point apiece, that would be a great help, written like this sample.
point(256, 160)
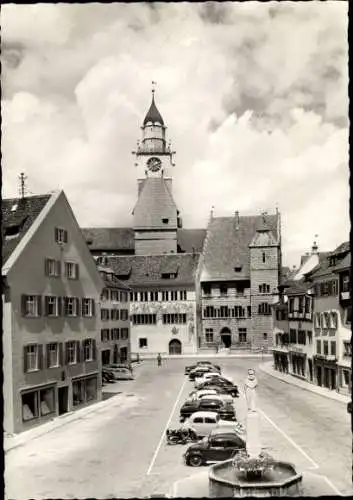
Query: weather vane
point(154, 87)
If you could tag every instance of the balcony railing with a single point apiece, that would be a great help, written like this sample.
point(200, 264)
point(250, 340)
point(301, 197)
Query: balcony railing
point(326, 357)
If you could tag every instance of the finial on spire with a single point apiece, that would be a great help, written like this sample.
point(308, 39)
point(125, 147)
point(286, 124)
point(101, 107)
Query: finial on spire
point(153, 87)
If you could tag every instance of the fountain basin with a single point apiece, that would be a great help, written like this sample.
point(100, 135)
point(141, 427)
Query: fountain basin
point(281, 480)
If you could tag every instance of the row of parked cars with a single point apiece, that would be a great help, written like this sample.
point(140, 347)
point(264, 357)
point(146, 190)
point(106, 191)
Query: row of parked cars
point(208, 417)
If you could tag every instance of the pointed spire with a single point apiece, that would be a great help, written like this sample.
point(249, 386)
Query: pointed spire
point(153, 115)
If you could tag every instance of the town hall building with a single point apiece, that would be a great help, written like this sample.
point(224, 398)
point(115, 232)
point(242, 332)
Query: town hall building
point(192, 290)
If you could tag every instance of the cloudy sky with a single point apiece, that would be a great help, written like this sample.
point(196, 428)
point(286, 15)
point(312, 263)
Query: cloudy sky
point(254, 96)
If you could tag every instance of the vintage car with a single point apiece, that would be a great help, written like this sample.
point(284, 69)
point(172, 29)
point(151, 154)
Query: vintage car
point(121, 373)
point(201, 378)
point(200, 370)
point(201, 423)
point(220, 445)
point(209, 392)
point(222, 386)
point(226, 411)
point(200, 363)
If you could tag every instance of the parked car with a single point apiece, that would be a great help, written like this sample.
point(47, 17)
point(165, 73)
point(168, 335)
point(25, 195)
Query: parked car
point(107, 376)
point(200, 379)
point(201, 423)
point(200, 363)
point(209, 392)
point(220, 445)
point(120, 365)
point(200, 370)
point(225, 410)
point(223, 388)
point(122, 373)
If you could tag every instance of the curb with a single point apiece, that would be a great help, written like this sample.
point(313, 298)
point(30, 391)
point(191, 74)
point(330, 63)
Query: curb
point(213, 356)
point(311, 388)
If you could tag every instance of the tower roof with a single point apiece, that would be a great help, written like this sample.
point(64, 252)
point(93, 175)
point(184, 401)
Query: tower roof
point(153, 115)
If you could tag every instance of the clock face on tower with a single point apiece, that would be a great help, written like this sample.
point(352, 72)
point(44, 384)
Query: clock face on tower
point(154, 164)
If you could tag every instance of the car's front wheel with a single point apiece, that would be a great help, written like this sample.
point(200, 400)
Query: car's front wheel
point(195, 460)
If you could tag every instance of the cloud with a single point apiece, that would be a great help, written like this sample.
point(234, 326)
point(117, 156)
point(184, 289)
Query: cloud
point(254, 95)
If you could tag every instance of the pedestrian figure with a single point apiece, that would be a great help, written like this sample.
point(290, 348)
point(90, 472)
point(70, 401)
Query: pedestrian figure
point(159, 359)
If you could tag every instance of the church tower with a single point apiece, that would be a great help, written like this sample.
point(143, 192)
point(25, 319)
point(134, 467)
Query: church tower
point(156, 217)
point(265, 259)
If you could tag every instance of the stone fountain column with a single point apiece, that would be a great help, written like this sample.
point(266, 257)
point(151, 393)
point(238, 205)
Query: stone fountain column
point(253, 443)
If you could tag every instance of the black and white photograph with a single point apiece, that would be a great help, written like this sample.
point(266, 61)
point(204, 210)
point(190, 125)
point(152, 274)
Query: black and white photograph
point(176, 258)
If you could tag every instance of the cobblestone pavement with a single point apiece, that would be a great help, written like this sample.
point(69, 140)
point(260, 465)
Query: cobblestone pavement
point(120, 451)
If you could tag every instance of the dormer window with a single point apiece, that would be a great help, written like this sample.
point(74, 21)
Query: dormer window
point(165, 221)
point(238, 268)
point(168, 275)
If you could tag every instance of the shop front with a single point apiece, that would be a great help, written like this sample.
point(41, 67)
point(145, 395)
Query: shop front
point(281, 359)
point(325, 369)
point(298, 363)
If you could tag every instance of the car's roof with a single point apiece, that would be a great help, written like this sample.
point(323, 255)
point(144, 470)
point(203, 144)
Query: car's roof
point(204, 414)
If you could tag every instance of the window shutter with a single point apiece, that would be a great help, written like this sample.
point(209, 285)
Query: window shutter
point(77, 271)
point(56, 234)
point(61, 354)
point(46, 305)
point(24, 359)
point(93, 307)
point(65, 236)
point(48, 356)
point(77, 300)
point(64, 306)
point(46, 267)
point(58, 267)
point(40, 356)
point(78, 351)
point(39, 301)
point(60, 306)
point(94, 349)
point(24, 305)
point(66, 353)
point(83, 307)
point(111, 313)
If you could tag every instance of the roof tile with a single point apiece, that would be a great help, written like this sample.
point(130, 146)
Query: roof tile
point(22, 218)
point(227, 246)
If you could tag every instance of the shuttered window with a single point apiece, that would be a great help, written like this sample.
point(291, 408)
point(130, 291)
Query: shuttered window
point(31, 306)
point(32, 357)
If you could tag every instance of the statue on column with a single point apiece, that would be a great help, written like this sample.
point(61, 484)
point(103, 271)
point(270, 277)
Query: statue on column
point(250, 385)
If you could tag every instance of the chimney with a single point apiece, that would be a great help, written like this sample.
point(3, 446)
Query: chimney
point(236, 219)
point(193, 251)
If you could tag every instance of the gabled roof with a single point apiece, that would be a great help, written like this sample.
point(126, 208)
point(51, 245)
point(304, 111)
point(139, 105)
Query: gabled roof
point(155, 203)
point(121, 239)
point(189, 239)
point(263, 239)
point(147, 270)
point(342, 248)
point(227, 246)
point(18, 220)
point(324, 268)
point(153, 115)
point(109, 238)
point(298, 288)
point(344, 265)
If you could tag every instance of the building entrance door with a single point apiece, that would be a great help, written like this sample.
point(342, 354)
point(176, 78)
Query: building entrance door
point(175, 346)
point(106, 357)
point(310, 365)
point(327, 378)
point(319, 376)
point(123, 355)
point(63, 399)
point(226, 337)
point(333, 379)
